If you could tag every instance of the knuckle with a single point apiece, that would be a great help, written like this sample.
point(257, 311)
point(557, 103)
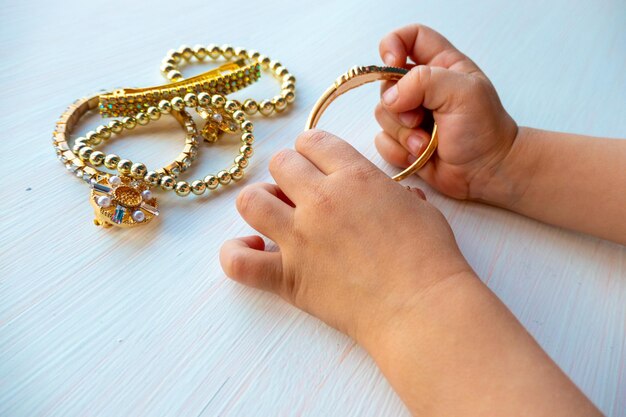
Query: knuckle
point(279, 159)
point(421, 74)
point(234, 264)
point(247, 198)
point(311, 139)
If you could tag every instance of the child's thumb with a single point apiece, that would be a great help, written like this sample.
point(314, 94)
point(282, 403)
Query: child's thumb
point(434, 88)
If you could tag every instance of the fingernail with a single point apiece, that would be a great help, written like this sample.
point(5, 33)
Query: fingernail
point(414, 143)
point(389, 59)
point(410, 159)
point(408, 119)
point(390, 95)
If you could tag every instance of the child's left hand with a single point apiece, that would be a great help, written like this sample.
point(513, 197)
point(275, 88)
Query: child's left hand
point(356, 247)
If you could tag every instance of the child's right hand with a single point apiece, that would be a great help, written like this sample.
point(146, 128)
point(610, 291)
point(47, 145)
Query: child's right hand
point(475, 132)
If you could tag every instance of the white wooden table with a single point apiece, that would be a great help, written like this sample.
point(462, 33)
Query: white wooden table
point(144, 322)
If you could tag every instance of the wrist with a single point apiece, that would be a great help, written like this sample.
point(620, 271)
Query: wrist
point(505, 183)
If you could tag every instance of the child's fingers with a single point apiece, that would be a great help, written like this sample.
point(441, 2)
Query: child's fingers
point(424, 46)
point(245, 261)
point(413, 140)
point(391, 150)
point(410, 119)
point(437, 89)
point(261, 208)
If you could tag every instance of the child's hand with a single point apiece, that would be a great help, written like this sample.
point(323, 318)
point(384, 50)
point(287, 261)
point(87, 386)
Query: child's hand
point(475, 132)
point(356, 248)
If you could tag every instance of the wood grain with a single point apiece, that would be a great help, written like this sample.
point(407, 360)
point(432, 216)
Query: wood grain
point(118, 323)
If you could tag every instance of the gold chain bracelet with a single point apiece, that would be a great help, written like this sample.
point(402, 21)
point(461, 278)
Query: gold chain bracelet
point(170, 68)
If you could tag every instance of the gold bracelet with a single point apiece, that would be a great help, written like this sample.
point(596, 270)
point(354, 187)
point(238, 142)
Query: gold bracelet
point(223, 80)
point(170, 68)
point(356, 77)
point(126, 200)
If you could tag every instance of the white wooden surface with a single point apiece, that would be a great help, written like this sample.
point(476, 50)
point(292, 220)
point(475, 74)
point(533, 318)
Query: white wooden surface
point(143, 322)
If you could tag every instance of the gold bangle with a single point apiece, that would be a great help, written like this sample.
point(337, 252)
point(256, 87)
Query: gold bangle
point(223, 80)
point(170, 67)
point(356, 77)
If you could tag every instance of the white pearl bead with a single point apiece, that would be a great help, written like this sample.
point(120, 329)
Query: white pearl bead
point(218, 117)
point(114, 180)
point(146, 195)
point(138, 216)
point(103, 201)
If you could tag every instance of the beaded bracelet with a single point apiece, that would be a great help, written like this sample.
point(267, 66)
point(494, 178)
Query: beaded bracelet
point(170, 68)
point(127, 201)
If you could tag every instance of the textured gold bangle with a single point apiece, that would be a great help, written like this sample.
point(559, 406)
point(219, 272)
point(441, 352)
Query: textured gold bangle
point(223, 80)
point(170, 67)
point(356, 77)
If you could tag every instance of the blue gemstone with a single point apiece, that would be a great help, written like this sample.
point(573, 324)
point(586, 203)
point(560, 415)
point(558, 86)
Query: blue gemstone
point(101, 188)
point(119, 214)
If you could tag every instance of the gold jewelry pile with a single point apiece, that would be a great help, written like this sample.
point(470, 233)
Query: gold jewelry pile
point(125, 199)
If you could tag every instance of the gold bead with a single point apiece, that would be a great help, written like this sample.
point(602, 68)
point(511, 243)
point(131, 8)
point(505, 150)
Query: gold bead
point(224, 177)
point(138, 170)
point(246, 150)
point(166, 68)
point(116, 126)
point(230, 106)
point(96, 158)
point(153, 113)
point(241, 53)
point(264, 61)
point(241, 161)
point(200, 52)
point(218, 101)
point(85, 153)
point(254, 55)
point(167, 183)
point(290, 78)
point(93, 138)
point(236, 173)
point(250, 106)
point(204, 98)
point(198, 187)
point(186, 52)
point(267, 107)
point(174, 75)
point(239, 116)
point(124, 166)
point(228, 51)
point(175, 55)
point(288, 85)
point(282, 71)
point(211, 182)
point(191, 100)
point(77, 147)
point(289, 96)
point(142, 119)
point(103, 131)
point(169, 60)
point(279, 103)
point(129, 122)
point(247, 138)
point(151, 178)
point(214, 51)
point(111, 161)
point(182, 188)
point(274, 65)
point(165, 106)
point(247, 126)
point(177, 103)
